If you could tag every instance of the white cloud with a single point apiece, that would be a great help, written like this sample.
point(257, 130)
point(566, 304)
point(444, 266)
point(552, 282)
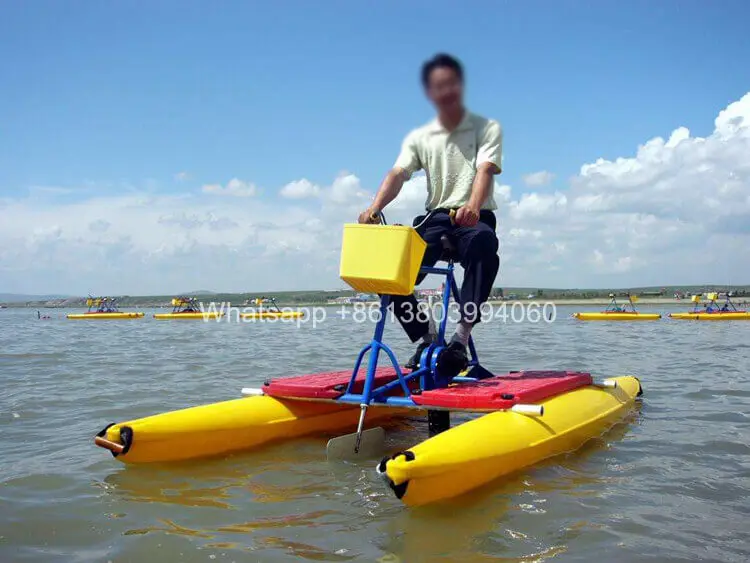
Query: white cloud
point(538, 179)
point(346, 189)
point(536, 205)
point(524, 233)
point(502, 194)
point(99, 226)
point(300, 189)
point(643, 219)
point(43, 191)
point(182, 176)
point(413, 194)
point(235, 187)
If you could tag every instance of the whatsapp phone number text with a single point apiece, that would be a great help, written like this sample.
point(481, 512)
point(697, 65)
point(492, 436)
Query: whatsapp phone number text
point(514, 313)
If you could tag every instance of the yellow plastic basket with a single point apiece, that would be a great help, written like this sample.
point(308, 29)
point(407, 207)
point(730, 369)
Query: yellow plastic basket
point(383, 259)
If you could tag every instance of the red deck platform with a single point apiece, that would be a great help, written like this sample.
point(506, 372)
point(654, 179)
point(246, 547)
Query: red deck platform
point(495, 393)
point(504, 391)
point(328, 385)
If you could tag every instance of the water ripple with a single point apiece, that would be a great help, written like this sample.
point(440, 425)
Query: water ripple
point(671, 484)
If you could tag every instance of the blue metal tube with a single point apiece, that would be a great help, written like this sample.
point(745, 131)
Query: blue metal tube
point(400, 402)
point(357, 365)
point(377, 345)
point(399, 375)
point(390, 401)
point(395, 383)
point(350, 398)
point(473, 352)
point(372, 365)
point(385, 300)
point(433, 270)
point(449, 286)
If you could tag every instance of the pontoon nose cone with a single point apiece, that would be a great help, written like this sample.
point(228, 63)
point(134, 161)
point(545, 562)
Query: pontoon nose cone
point(382, 470)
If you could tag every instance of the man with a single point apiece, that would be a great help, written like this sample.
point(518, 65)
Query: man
point(461, 153)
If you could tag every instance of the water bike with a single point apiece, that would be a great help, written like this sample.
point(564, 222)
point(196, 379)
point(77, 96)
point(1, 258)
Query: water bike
point(711, 310)
point(273, 312)
point(104, 308)
point(617, 312)
point(187, 308)
point(523, 416)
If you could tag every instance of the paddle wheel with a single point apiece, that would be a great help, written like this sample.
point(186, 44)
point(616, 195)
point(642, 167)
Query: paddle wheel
point(266, 304)
point(185, 305)
point(102, 305)
point(615, 307)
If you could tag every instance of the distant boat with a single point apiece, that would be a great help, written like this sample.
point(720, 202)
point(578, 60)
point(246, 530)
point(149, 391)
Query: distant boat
point(104, 308)
point(185, 307)
point(616, 312)
point(712, 311)
point(270, 313)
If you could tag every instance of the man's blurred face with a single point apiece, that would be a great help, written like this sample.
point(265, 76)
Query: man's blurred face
point(445, 89)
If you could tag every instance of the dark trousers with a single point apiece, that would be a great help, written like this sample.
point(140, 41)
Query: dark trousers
point(476, 248)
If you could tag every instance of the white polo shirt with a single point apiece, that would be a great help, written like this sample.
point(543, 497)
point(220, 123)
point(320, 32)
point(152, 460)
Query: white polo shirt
point(451, 158)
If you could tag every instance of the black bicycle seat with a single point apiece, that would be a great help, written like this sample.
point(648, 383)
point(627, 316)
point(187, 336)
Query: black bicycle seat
point(450, 254)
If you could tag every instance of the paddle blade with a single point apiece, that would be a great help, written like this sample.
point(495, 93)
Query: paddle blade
point(371, 445)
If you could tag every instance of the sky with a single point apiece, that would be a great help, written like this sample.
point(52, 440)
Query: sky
point(164, 147)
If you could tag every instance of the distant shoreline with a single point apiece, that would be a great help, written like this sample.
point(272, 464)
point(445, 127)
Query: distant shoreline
point(647, 296)
point(588, 302)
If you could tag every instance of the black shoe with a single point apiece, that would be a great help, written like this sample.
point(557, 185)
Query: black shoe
point(413, 362)
point(452, 361)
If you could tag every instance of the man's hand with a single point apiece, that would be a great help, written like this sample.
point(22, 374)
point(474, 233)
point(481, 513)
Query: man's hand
point(366, 217)
point(467, 216)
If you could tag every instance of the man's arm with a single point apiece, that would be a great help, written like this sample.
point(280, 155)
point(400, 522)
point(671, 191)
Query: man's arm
point(483, 183)
point(489, 163)
point(406, 164)
point(387, 192)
